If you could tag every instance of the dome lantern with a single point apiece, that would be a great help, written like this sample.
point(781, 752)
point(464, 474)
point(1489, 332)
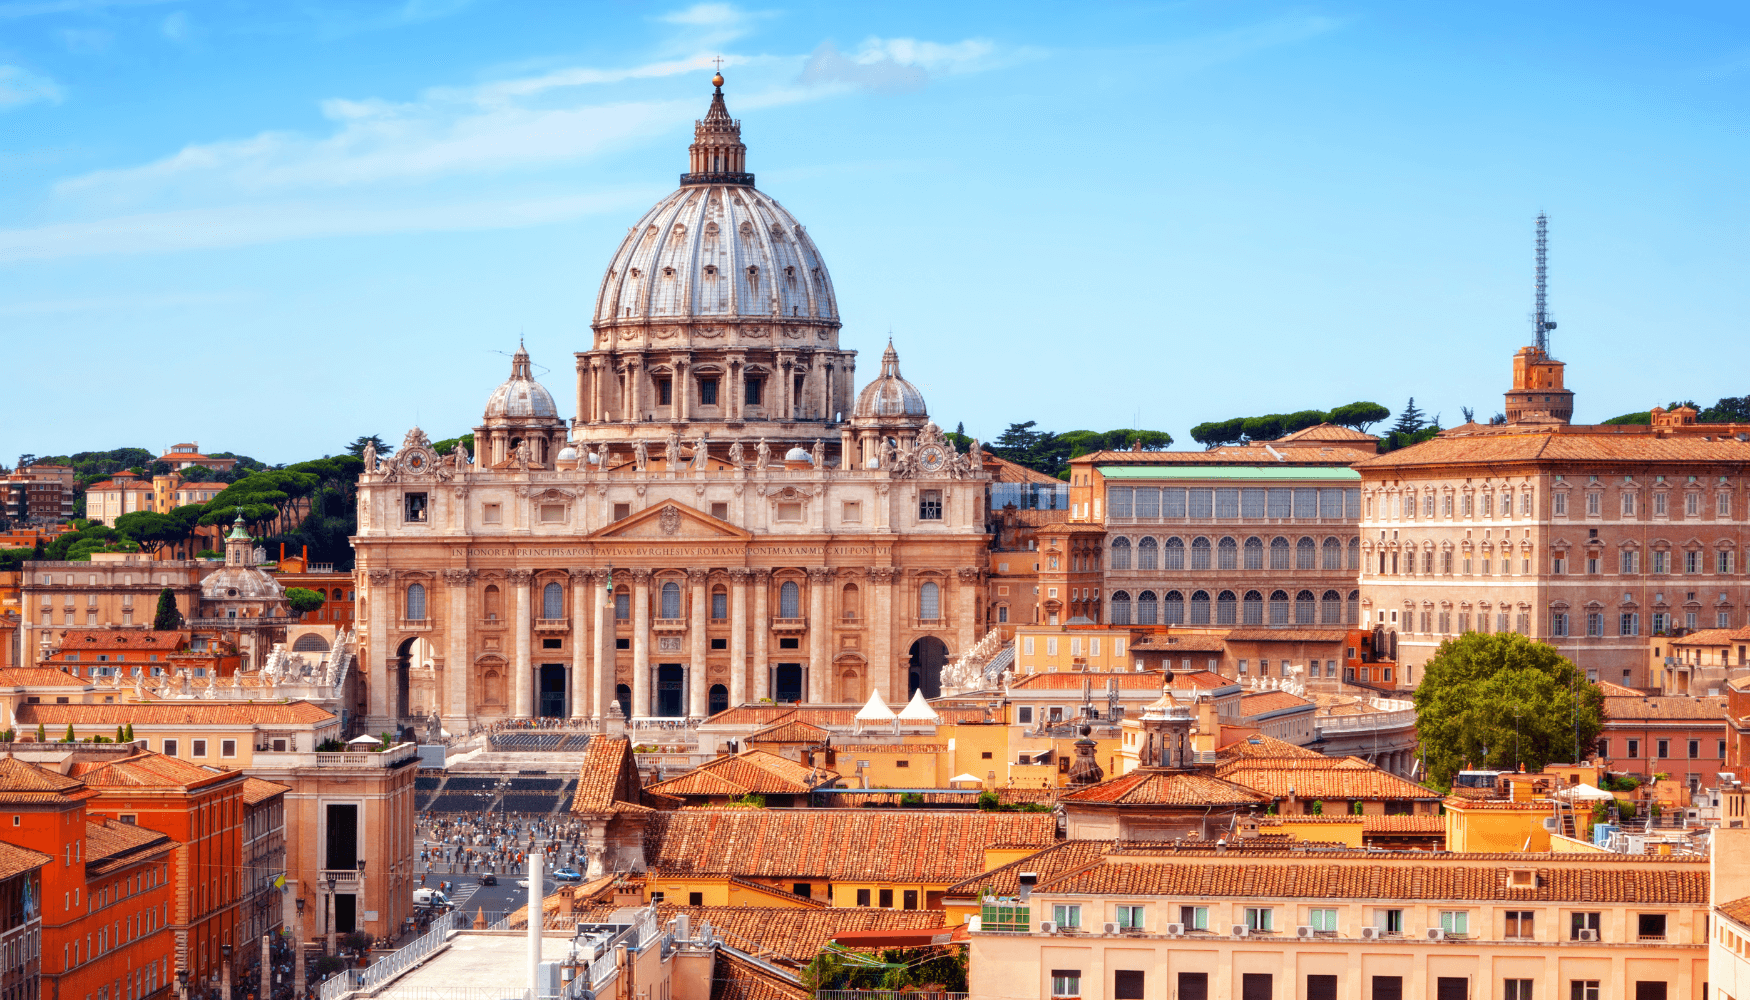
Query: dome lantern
point(717, 155)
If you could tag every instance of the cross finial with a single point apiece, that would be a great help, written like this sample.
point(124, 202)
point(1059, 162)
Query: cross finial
point(717, 63)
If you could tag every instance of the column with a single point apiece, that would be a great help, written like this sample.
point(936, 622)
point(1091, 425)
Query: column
point(604, 643)
point(582, 590)
point(582, 411)
point(683, 399)
point(786, 404)
point(738, 637)
point(641, 643)
point(966, 608)
point(827, 399)
point(458, 664)
point(879, 615)
point(521, 670)
point(737, 388)
point(698, 674)
point(382, 619)
point(819, 632)
point(762, 634)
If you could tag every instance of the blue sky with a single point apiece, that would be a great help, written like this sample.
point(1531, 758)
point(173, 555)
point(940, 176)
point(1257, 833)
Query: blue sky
point(272, 227)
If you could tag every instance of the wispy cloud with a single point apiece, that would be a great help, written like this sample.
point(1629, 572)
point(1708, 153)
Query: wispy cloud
point(898, 63)
point(708, 26)
point(19, 86)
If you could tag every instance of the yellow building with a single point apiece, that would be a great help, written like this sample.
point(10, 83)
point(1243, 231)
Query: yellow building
point(1055, 649)
point(212, 733)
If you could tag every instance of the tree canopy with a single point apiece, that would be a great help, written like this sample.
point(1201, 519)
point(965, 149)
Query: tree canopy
point(1359, 415)
point(1489, 700)
point(302, 599)
point(1729, 410)
point(1048, 452)
point(167, 618)
point(357, 448)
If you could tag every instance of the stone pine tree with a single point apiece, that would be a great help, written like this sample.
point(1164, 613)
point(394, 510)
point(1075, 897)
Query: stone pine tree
point(167, 619)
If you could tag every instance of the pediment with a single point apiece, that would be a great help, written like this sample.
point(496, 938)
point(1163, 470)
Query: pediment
point(672, 520)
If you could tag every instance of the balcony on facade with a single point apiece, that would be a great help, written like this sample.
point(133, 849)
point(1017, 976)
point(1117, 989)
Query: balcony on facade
point(552, 624)
point(398, 755)
point(789, 624)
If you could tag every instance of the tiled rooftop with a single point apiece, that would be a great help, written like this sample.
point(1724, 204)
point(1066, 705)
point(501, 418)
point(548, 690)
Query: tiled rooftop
point(754, 772)
point(149, 770)
point(789, 731)
point(174, 713)
point(257, 791)
point(785, 935)
point(110, 845)
point(1705, 709)
point(1574, 443)
point(1149, 786)
point(1265, 702)
point(1323, 778)
point(15, 860)
point(608, 780)
point(1005, 880)
point(23, 783)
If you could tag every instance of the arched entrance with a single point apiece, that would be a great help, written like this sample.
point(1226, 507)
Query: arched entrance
point(924, 671)
point(623, 695)
point(398, 684)
point(719, 699)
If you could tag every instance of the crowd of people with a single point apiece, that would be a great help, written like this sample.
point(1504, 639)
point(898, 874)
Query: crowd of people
point(495, 843)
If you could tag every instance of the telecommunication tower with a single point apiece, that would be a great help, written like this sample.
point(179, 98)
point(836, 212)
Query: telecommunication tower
point(1543, 321)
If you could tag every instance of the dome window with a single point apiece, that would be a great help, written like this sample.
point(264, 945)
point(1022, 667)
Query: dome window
point(680, 229)
point(635, 273)
point(710, 270)
point(668, 272)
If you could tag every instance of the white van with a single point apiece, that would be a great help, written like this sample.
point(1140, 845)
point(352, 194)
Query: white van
point(429, 897)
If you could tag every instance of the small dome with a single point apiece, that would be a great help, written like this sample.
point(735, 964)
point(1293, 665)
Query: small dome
point(521, 395)
point(568, 454)
point(889, 395)
point(798, 454)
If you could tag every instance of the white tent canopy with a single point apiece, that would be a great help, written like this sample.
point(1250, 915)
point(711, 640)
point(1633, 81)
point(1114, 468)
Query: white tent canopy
point(875, 709)
point(365, 740)
point(965, 777)
point(918, 710)
point(1585, 793)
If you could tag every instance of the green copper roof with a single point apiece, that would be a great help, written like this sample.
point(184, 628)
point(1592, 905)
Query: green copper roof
point(1321, 473)
point(237, 531)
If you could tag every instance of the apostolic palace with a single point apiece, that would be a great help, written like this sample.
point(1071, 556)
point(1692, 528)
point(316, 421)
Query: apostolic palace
point(724, 520)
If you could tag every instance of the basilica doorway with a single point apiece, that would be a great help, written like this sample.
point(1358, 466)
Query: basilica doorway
point(552, 691)
point(787, 683)
point(623, 695)
point(671, 690)
point(719, 699)
point(399, 683)
point(928, 656)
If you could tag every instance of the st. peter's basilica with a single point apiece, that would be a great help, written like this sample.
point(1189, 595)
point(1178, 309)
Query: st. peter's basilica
point(722, 522)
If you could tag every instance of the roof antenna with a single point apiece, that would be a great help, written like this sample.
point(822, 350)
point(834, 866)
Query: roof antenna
point(1543, 322)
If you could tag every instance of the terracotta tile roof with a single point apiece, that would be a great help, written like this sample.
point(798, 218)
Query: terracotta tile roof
point(1468, 878)
point(736, 978)
point(1288, 635)
point(1151, 787)
point(789, 731)
point(40, 677)
point(22, 782)
point(1695, 708)
point(174, 713)
point(1266, 702)
point(786, 935)
point(1246, 454)
point(1576, 443)
point(837, 844)
point(755, 772)
point(1713, 637)
point(608, 780)
point(1326, 432)
point(1322, 778)
point(78, 640)
point(257, 790)
point(1034, 519)
point(906, 748)
point(835, 716)
point(1026, 796)
point(1403, 824)
point(1149, 680)
point(1004, 471)
point(1611, 689)
point(1250, 743)
point(110, 845)
point(1005, 880)
point(783, 895)
point(150, 770)
point(15, 860)
point(1736, 909)
point(1179, 643)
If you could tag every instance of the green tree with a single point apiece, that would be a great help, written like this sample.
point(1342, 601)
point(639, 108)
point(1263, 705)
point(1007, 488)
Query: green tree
point(41, 736)
point(1410, 419)
point(1215, 433)
point(69, 737)
point(1359, 415)
point(129, 732)
point(167, 618)
point(148, 528)
point(303, 600)
point(357, 448)
point(1489, 700)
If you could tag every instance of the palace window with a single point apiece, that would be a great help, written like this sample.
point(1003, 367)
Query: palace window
point(1254, 608)
point(1120, 609)
point(1559, 504)
point(707, 392)
point(1120, 553)
point(1200, 553)
point(671, 601)
point(1628, 560)
point(789, 600)
point(664, 392)
point(1227, 554)
point(1175, 557)
point(754, 390)
point(622, 605)
point(1279, 553)
point(1225, 606)
point(929, 505)
point(553, 601)
point(719, 604)
point(1279, 607)
point(415, 602)
point(929, 601)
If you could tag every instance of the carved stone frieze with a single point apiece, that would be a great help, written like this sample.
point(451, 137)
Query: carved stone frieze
point(379, 577)
point(520, 577)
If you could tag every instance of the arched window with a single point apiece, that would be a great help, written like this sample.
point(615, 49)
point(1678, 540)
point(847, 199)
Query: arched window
point(1175, 554)
point(719, 699)
point(1333, 554)
point(1278, 553)
point(671, 600)
point(1224, 608)
point(494, 603)
point(1304, 608)
point(1174, 613)
point(416, 602)
point(1304, 554)
point(310, 642)
point(1355, 553)
point(1254, 553)
point(1121, 608)
point(1254, 608)
point(552, 601)
point(1227, 554)
point(622, 604)
point(1331, 608)
point(1120, 553)
point(851, 602)
point(929, 601)
point(623, 695)
point(1200, 608)
point(1279, 607)
point(1147, 554)
point(1354, 607)
point(1147, 608)
point(789, 600)
point(1200, 553)
point(719, 603)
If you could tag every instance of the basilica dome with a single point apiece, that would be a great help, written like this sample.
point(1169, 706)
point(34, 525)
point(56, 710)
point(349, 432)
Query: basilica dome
point(520, 395)
point(889, 395)
point(717, 249)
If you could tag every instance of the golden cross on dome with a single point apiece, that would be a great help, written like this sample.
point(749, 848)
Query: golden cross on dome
point(718, 62)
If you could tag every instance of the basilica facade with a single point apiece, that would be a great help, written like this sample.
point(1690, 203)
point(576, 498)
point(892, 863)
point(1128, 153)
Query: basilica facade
point(724, 521)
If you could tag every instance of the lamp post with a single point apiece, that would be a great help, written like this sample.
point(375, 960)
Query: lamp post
point(298, 955)
point(182, 983)
point(333, 935)
point(225, 972)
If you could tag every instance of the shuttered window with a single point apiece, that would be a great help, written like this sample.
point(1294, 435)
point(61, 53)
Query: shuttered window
point(1388, 988)
point(1451, 988)
point(1258, 986)
point(1193, 986)
point(1321, 988)
point(1127, 985)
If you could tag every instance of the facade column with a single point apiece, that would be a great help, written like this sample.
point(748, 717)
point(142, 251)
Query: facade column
point(698, 674)
point(382, 619)
point(582, 410)
point(882, 668)
point(827, 395)
point(737, 388)
point(522, 682)
point(819, 631)
point(738, 637)
point(683, 399)
point(762, 633)
point(582, 590)
point(967, 601)
point(604, 643)
point(458, 665)
point(786, 404)
point(640, 643)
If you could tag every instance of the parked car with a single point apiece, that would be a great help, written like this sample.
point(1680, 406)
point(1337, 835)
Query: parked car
point(567, 875)
point(430, 898)
point(489, 879)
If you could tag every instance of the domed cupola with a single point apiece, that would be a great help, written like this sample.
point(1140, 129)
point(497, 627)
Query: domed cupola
point(519, 412)
point(890, 395)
